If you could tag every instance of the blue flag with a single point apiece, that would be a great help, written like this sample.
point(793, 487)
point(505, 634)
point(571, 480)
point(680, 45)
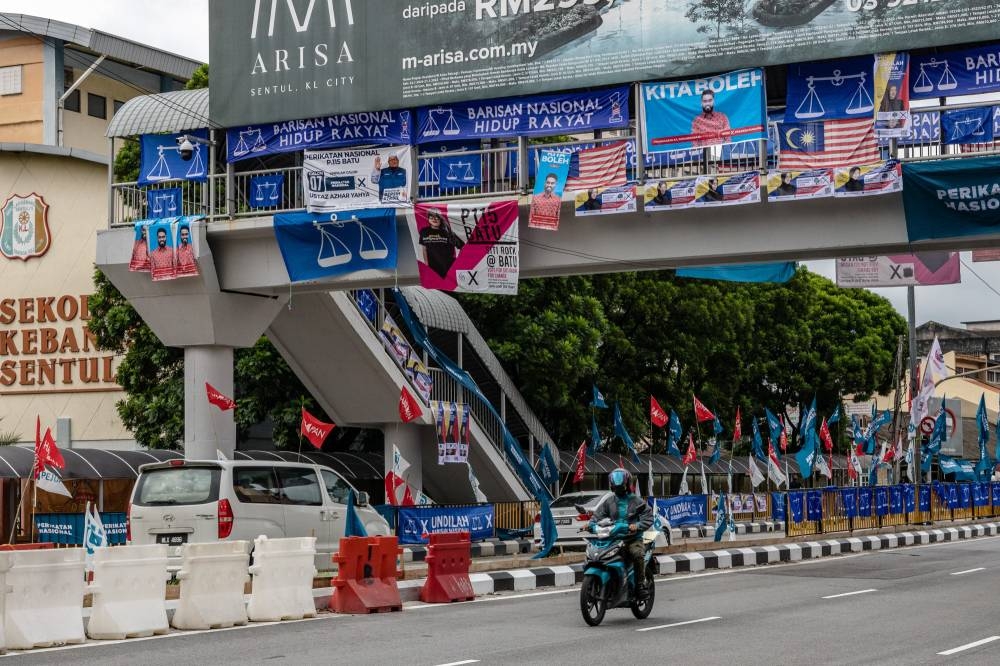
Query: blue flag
point(873, 472)
point(756, 441)
point(808, 424)
point(595, 435)
point(354, 526)
point(720, 518)
point(266, 191)
point(547, 466)
point(717, 427)
point(806, 456)
point(985, 464)
point(621, 432)
point(834, 417)
point(716, 450)
point(549, 532)
point(774, 426)
point(598, 400)
point(674, 433)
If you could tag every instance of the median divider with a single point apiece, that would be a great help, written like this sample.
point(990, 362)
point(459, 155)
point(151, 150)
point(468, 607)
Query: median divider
point(366, 579)
point(129, 592)
point(283, 572)
point(43, 602)
point(448, 558)
point(212, 579)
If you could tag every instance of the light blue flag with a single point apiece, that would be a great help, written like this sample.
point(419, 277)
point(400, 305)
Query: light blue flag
point(717, 428)
point(674, 434)
point(547, 466)
point(549, 532)
point(873, 472)
point(598, 400)
point(757, 442)
point(721, 523)
point(809, 419)
point(621, 432)
point(595, 435)
point(985, 464)
point(354, 526)
point(716, 450)
point(774, 426)
point(834, 417)
point(806, 456)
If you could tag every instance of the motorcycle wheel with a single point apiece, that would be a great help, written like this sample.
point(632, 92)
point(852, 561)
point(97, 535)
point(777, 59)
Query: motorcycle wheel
point(592, 604)
point(642, 609)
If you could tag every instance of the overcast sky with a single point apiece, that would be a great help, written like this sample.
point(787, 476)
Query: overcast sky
point(181, 26)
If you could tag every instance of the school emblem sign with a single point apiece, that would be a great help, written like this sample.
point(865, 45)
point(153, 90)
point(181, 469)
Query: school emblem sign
point(24, 227)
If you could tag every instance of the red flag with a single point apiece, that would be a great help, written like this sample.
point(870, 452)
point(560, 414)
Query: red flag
point(737, 429)
point(691, 454)
point(390, 488)
point(407, 496)
point(46, 451)
point(824, 436)
point(783, 440)
point(409, 408)
point(222, 402)
point(701, 412)
point(852, 472)
point(581, 462)
point(315, 430)
point(656, 413)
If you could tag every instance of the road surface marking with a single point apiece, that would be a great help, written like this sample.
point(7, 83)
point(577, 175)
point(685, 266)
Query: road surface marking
point(459, 663)
point(969, 646)
point(850, 594)
point(959, 573)
point(680, 624)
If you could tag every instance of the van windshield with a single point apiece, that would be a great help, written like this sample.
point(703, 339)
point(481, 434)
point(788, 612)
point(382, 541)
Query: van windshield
point(178, 485)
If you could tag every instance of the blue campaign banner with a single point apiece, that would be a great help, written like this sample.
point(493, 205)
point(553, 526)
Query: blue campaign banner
point(266, 191)
point(924, 129)
point(964, 495)
point(958, 72)
point(882, 501)
point(952, 198)
point(317, 246)
point(380, 128)
point(750, 150)
point(814, 505)
point(430, 170)
point(925, 498)
point(909, 498)
point(552, 162)
point(67, 528)
point(541, 115)
point(704, 112)
point(995, 494)
point(458, 171)
point(981, 494)
point(952, 491)
point(795, 502)
point(896, 499)
point(965, 126)
point(864, 502)
point(168, 202)
point(682, 510)
point(778, 506)
point(413, 523)
point(160, 160)
point(849, 496)
point(368, 304)
point(831, 89)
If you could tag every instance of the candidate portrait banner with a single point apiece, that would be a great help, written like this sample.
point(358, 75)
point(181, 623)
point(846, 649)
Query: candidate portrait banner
point(900, 270)
point(924, 129)
point(452, 422)
point(539, 115)
point(162, 239)
point(867, 180)
point(415, 523)
point(550, 182)
point(830, 90)
point(728, 190)
point(343, 180)
point(670, 193)
point(791, 185)
point(160, 159)
point(318, 246)
point(952, 198)
point(704, 112)
point(605, 201)
point(380, 128)
point(418, 373)
point(394, 340)
point(892, 94)
point(956, 72)
point(467, 247)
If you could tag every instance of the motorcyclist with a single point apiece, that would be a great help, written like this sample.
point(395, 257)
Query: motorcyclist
point(618, 506)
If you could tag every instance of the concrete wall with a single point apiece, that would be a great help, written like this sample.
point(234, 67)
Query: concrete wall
point(21, 116)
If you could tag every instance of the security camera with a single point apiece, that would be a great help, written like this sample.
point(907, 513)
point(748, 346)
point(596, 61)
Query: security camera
point(185, 148)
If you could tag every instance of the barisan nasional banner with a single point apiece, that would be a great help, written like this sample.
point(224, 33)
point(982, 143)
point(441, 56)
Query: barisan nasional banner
point(275, 60)
point(338, 180)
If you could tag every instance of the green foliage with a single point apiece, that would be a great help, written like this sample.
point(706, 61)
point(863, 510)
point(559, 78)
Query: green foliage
point(9, 437)
point(127, 162)
point(199, 79)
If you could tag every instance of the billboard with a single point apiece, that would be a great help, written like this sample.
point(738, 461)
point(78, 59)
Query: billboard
point(900, 270)
point(276, 60)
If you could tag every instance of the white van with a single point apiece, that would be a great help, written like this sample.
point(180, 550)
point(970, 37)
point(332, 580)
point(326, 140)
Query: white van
point(192, 501)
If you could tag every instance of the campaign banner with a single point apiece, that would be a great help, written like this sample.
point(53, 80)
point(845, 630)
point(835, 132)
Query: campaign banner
point(952, 198)
point(546, 200)
point(541, 115)
point(892, 94)
point(704, 112)
point(394, 340)
point(968, 126)
point(315, 247)
point(674, 158)
point(345, 180)
point(900, 270)
point(429, 170)
point(266, 191)
point(166, 202)
point(481, 258)
point(415, 523)
point(909, 498)
point(368, 304)
point(814, 505)
point(778, 506)
point(830, 90)
point(728, 190)
point(418, 373)
point(378, 128)
point(955, 72)
point(605, 201)
point(185, 254)
point(795, 506)
point(160, 159)
point(67, 528)
point(867, 180)
point(139, 262)
point(452, 421)
point(864, 502)
point(459, 171)
point(681, 510)
point(849, 499)
point(162, 243)
point(924, 130)
point(670, 193)
point(882, 501)
point(790, 185)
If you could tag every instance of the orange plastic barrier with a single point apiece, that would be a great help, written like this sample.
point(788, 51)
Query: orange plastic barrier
point(448, 557)
point(27, 546)
point(366, 576)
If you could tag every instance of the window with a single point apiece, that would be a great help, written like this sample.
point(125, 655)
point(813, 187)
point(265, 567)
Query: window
point(993, 376)
point(336, 487)
point(256, 485)
point(10, 80)
point(178, 485)
point(72, 102)
point(97, 106)
point(299, 486)
point(118, 105)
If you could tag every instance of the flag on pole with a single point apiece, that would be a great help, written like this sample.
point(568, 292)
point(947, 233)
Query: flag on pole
point(822, 467)
point(873, 469)
point(854, 467)
point(474, 482)
point(683, 490)
point(94, 534)
point(774, 467)
point(909, 461)
point(221, 401)
point(720, 517)
point(806, 457)
point(581, 463)
point(756, 441)
point(657, 416)
point(783, 438)
point(674, 433)
point(716, 451)
point(935, 361)
point(756, 476)
point(701, 412)
point(704, 481)
point(717, 428)
point(314, 430)
point(547, 466)
point(598, 400)
point(595, 436)
point(737, 427)
point(603, 166)
point(729, 477)
point(824, 436)
point(621, 432)
point(690, 455)
point(47, 462)
point(409, 408)
point(774, 426)
point(985, 465)
point(835, 416)
point(549, 530)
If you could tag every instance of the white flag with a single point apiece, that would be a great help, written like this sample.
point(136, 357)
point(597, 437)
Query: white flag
point(756, 478)
point(683, 490)
point(729, 478)
point(649, 481)
point(909, 461)
point(94, 534)
point(774, 472)
point(822, 467)
point(399, 463)
point(935, 361)
point(855, 463)
point(50, 481)
point(219, 455)
point(480, 495)
point(704, 481)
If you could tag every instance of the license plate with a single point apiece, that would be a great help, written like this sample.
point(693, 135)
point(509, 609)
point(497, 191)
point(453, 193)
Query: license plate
point(564, 521)
point(172, 539)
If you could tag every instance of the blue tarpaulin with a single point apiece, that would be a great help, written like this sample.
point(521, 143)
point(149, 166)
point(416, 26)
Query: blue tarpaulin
point(779, 272)
point(414, 523)
point(682, 510)
point(814, 505)
point(795, 501)
point(778, 506)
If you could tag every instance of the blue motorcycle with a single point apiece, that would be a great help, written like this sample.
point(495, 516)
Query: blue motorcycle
point(608, 581)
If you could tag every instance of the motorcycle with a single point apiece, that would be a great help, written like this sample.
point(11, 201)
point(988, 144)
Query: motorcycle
point(608, 581)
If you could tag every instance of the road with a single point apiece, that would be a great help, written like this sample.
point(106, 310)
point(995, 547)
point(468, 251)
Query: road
point(903, 606)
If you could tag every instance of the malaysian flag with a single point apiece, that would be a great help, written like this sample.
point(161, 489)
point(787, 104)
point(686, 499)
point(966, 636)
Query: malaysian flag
point(823, 145)
point(603, 166)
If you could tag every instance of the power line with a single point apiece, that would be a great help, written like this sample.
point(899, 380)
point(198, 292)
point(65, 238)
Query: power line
point(980, 277)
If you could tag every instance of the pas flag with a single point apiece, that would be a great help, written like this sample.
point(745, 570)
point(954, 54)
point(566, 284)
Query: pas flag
point(409, 408)
point(603, 166)
point(691, 454)
point(674, 433)
point(221, 401)
point(701, 412)
point(581, 462)
point(656, 413)
point(598, 401)
point(315, 431)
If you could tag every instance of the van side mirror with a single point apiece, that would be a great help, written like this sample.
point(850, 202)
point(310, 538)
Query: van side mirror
point(362, 498)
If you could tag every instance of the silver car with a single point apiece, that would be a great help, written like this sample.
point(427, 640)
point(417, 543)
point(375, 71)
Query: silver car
point(569, 521)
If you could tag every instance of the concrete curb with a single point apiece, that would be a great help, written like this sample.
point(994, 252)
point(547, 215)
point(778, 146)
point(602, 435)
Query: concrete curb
point(479, 549)
point(703, 531)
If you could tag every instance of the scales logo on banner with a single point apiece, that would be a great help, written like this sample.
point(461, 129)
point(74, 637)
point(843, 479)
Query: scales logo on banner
point(351, 179)
point(452, 420)
point(24, 227)
point(968, 126)
point(166, 202)
point(900, 270)
point(161, 159)
point(830, 90)
point(966, 72)
point(322, 246)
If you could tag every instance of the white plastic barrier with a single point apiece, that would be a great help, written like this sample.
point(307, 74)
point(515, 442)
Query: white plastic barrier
point(283, 572)
point(213, 577)
point(129, 588)
point(44, 600)
point(6, 560)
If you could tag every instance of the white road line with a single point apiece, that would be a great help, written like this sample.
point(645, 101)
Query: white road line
point(459, 663)
point(850, 594)
point(969, 646)
point(959, 573)
point(679, 624)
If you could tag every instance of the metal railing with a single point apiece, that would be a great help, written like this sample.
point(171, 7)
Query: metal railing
point(512, 516)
